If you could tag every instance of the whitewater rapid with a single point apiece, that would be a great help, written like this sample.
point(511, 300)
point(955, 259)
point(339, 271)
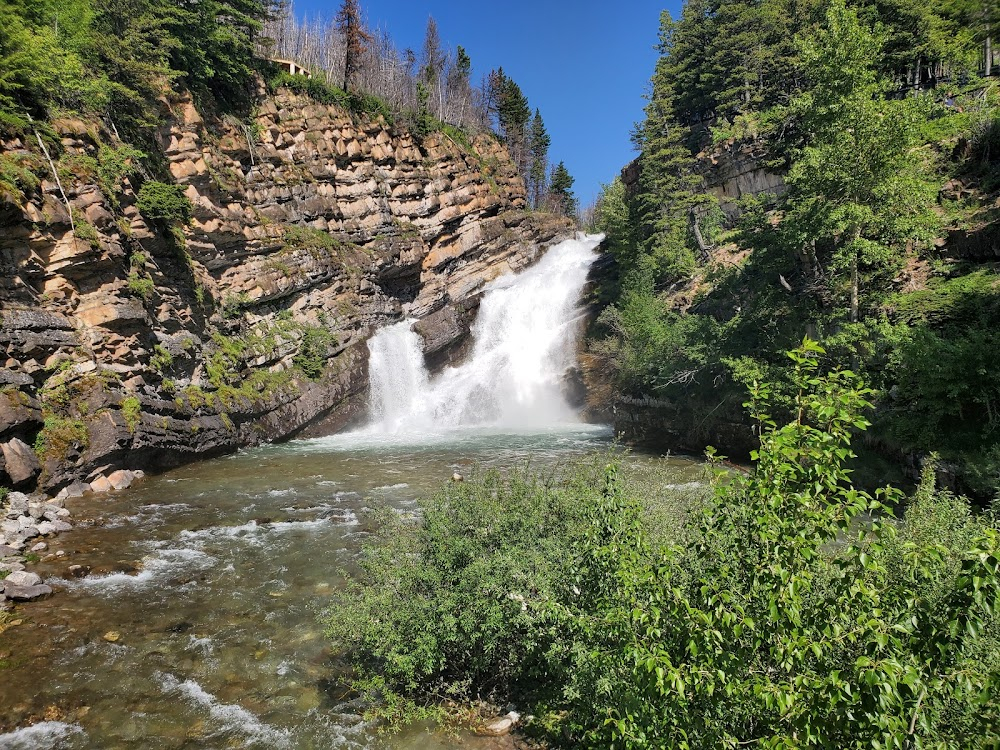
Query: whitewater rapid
point(525, 339)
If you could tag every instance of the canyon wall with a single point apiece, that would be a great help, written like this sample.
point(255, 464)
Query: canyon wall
point(133, 342)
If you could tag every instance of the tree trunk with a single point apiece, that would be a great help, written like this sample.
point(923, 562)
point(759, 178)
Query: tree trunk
point(988, 52)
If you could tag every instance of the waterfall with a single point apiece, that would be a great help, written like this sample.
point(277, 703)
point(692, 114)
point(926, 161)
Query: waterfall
point(524, 340)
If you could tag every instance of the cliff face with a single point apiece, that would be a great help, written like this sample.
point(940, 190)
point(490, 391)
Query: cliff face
point(131, 343)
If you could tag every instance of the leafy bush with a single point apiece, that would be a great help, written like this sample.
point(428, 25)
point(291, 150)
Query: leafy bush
point(444, 609)
point(314, 351)
point(790, 611)
point(164, 204)
point(132, 412)
point(140, 285)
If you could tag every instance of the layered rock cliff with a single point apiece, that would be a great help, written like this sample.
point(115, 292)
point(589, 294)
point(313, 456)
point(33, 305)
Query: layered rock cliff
point(129, 342)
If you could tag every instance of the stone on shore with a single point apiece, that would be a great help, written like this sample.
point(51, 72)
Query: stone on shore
point(25, 593)
point(21, 462)
point(121, 479)
point(101, 485)
point(500, 727)
point(22, 578)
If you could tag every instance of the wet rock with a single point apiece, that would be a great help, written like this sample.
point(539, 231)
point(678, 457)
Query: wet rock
point(456, 477)
point(500, 727)
point(25, 593)
point(61, 526)
point(112, 636)
point(78, 571)
point(76, 489)
point(46, 527)
point(23, 578)
point(40, 547)
point(121, 479)
point(101, 485)
point(20, 461)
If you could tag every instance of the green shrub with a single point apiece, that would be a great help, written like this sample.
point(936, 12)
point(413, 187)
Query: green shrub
point(313, 352)
point(114, 165)
point(161, 359)
point(164, 204)
point(324, 93)
point(132, 412)
point(3, 493)
point(59, 435)
point(779, 615)
point(140, 285)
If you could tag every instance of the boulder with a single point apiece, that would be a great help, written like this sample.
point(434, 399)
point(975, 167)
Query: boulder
point(22, 464)
point(26, 593)
point(500, 727)
point(77, 489)
point(121, 479)
point(23, 578)
point(101, 484)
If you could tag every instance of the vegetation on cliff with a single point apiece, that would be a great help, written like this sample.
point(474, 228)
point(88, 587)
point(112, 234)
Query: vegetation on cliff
point(786, 609)
point(882, 244)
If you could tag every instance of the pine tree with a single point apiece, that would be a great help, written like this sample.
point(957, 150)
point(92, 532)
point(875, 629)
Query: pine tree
point(459, 89)
point(433, 62)
point(560, 191)
point(538, 151)
point(356, 39)
point(854, 189)
point(666, 197)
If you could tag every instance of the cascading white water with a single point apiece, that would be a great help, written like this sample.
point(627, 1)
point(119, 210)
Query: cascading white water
point(524, 341)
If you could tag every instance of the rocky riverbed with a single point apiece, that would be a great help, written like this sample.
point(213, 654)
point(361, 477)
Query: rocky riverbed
point(30, 526)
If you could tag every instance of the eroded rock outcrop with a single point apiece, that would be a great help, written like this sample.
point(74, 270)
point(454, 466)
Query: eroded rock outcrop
point(130, 343)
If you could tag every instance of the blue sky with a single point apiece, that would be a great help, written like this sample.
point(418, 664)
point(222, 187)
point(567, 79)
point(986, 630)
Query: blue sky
point(584, 64)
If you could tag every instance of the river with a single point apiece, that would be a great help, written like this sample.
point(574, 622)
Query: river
point(197, 624)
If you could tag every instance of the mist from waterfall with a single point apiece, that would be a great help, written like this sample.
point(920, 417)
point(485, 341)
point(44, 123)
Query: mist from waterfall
point(525, 339)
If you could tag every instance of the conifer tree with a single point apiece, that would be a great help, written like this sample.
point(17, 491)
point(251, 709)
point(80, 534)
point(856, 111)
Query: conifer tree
point(560, 191)
point(356, 39)
point(433, 61)
point(538, 151)
point(666, 196)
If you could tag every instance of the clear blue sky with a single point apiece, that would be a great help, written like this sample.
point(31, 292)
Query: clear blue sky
point(584, 64)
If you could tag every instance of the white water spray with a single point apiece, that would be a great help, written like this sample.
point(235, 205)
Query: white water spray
point(524, 340)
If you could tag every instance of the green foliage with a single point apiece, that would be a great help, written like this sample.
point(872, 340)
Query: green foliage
point(161, 359)
point(314, 241)
point(325, 93)
point(19, 175)
point(314, 351)
point(788, 611)
point(140, 285)
point(448, 608)
point(164, 204)
point(132, 412)
point(114, 165)
point(4, 491)
point(60, 435)
point(561, 190)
